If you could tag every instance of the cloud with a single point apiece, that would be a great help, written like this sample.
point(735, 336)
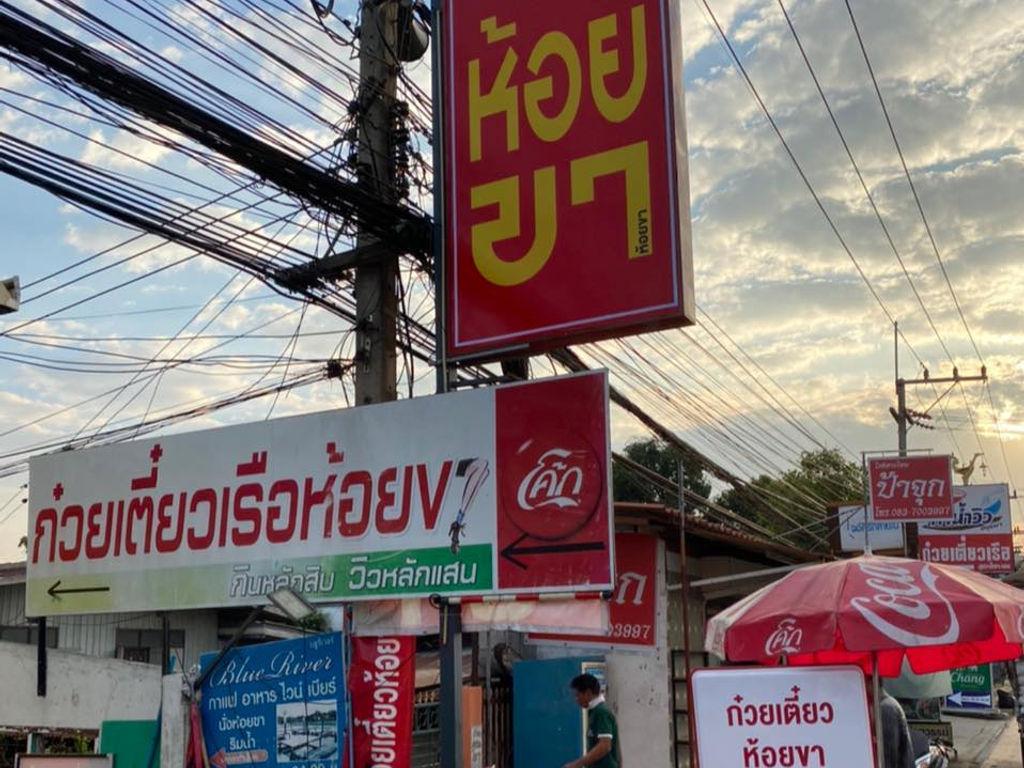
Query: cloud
point(768, 266)
point(125, 150)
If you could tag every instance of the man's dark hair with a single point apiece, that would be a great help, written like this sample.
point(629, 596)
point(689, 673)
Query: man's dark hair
point(586, 684)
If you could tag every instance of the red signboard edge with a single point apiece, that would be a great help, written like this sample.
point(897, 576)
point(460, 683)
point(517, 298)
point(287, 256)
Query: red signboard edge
point(586, 641)
point(682, 312)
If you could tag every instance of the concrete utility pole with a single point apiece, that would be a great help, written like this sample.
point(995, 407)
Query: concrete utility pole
point(906, 418)
point(450, 611)
point(376, 282)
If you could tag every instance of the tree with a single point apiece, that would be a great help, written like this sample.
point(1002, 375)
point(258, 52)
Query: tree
point(662, 458)
point(822, 477)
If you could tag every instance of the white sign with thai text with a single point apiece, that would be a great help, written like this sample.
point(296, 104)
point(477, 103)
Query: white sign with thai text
point(754, 717)
point(493, 490)
point(855, 530)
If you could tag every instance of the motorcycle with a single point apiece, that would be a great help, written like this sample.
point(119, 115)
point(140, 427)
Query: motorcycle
point(931, 753)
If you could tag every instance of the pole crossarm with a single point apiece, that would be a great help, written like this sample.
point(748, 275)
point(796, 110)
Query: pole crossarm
point(949, 379)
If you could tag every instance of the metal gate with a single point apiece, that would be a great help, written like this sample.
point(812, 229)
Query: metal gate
point(498, 726)
point(426, 728)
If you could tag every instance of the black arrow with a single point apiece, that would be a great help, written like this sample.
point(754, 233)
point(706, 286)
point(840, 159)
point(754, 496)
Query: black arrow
point(514, 551)
point(56, 593)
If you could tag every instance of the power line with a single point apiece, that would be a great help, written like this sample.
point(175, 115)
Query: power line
point(871, 200)
point(799, 167)
point(8, 503)
point(910, 181)
point(768, 376)
point(920, 209)
point(864, 185)
point(810, 187)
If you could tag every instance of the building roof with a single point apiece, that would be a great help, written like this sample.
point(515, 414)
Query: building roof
point(700, 527)
point(12, 573)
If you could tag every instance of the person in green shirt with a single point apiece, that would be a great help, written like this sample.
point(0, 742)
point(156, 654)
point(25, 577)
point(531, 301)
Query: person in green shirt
point(602, 730)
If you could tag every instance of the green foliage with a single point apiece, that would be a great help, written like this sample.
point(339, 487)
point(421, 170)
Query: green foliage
point(803, 493)
point(823, 475)
point(662, 458)
point(70, 744)
point(315, 622)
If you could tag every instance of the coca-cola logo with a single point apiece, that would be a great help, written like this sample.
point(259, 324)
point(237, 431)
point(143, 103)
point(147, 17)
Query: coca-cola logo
point(556, 480)
point(787, 638)
point(898, 607)
point(553, 485)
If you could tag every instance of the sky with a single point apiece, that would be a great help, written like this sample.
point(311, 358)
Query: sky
point(771, 275)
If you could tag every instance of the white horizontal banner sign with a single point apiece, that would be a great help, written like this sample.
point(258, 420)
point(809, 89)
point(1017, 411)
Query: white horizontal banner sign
point(856, 531)
point(810, 716)
point(501, 490)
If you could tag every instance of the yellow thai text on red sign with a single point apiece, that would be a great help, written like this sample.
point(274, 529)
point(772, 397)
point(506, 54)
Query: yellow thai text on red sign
point(494, 95)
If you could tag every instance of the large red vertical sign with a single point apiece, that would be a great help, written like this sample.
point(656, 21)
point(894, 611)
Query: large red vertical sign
point(633, 610)
point(567, 197)
point(911, 488)
point(554, 508)
point(382, 681)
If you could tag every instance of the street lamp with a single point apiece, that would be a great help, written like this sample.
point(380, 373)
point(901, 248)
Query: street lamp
point(10, 295)
point(291, 604)
point(288, 601)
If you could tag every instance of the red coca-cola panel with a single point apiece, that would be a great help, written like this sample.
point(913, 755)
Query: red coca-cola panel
point(633, 610)
point(382, 682)
point(911, 488)
point(554, 508)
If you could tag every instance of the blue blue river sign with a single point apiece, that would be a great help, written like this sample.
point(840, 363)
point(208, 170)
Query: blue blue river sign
point(277, 705)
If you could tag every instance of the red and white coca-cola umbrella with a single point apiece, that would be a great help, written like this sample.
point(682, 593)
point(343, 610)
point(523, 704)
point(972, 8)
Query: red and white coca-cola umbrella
point(874, 611)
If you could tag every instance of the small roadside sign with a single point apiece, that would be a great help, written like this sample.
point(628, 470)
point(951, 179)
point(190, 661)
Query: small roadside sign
point(911, 488)
point(972, 688)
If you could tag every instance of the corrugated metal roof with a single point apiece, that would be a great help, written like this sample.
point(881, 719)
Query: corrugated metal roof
point(700, 527)
point(12, 573)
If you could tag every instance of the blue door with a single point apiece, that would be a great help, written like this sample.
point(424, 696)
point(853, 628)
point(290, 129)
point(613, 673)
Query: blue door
point(547, 724)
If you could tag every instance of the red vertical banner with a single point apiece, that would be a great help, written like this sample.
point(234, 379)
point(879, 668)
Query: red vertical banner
point(382, 681)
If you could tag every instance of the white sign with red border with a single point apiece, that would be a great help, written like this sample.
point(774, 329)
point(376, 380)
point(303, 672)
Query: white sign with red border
point(980, 535)
point(493, 491)
point(810, 716)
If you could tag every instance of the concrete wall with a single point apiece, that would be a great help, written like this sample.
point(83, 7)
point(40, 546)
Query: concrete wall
point(174, 728)
point(639, 690)
point(82, 691)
